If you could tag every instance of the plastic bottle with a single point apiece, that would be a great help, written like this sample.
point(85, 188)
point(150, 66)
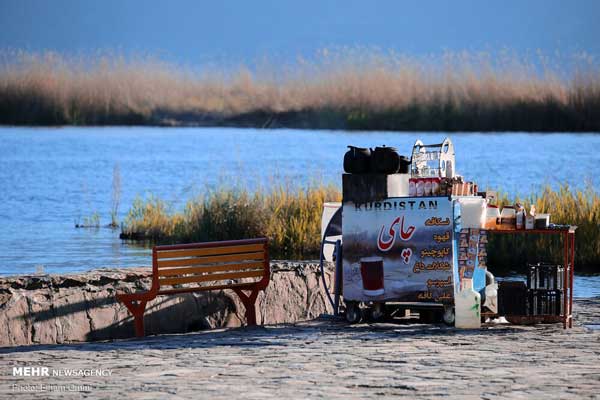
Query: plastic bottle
point(508, 218)
point(427, 187)
point(435, 186)
point(467, 306)
point(492, 217)
point(412, 187)
point(520, 217)
point(420, 187)
point(530, 219)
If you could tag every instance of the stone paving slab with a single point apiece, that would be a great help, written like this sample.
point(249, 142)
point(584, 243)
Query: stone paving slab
point(326, 359)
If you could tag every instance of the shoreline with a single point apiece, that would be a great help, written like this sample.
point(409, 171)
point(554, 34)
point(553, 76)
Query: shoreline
point(338, 121)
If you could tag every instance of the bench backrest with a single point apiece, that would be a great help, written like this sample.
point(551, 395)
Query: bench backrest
point(213, 265)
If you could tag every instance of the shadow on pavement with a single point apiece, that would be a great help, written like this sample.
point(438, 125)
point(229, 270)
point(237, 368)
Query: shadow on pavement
point(322, 328)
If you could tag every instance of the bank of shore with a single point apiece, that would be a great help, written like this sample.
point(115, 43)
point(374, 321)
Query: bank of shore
point(50, 309)
point(517, 117)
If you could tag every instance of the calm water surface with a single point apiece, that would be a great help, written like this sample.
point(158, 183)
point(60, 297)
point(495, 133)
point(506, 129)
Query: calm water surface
point(52, 178)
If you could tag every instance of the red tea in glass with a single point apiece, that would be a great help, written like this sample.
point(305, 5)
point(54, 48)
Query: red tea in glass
point(371, 270)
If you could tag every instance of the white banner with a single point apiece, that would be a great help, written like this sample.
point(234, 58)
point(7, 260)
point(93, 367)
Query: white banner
point(399, 249)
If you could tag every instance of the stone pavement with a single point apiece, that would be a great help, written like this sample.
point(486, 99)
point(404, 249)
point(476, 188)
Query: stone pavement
point(328, 359)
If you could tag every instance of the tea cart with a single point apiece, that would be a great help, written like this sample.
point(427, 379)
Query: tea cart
point(393, 248)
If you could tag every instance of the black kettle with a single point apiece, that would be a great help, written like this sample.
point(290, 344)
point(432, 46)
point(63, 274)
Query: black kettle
point(404, 165)
point(357, 160)
point(385, 160)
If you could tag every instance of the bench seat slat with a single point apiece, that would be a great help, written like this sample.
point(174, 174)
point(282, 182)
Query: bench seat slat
point(255, 256)
point(211, 277)
point(207, 287)
point(210, 268)
point(209, 251)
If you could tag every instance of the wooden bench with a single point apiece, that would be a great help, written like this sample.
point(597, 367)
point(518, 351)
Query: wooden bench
point(240, 265)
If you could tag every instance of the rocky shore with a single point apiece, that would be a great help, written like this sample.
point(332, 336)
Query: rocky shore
point(55, 309)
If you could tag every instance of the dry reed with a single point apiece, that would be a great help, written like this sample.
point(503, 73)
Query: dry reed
point(344, 89)
point(292, 220)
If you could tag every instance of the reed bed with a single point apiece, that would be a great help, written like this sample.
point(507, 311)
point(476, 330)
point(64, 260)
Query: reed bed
point(341, 89)
point(292, 220)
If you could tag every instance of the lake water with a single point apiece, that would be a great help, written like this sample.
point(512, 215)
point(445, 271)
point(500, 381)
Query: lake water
point(52, 178)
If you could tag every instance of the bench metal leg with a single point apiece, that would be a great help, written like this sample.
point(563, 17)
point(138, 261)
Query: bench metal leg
point(249, 302)
point(139, 320)
point(137, 308)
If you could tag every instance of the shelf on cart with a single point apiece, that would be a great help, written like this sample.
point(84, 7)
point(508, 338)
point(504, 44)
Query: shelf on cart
point(570, 229)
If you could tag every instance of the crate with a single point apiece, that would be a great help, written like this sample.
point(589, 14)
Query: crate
point(545, 302)
point(545, 276)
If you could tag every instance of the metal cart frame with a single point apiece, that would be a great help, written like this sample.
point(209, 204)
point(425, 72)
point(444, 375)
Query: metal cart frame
point(568, 235)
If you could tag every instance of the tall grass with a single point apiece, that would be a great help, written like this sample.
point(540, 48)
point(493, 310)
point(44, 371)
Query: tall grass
point(292, 220)
point(342, 89)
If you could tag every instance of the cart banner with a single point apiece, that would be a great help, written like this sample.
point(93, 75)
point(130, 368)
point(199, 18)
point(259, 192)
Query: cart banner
point(399, 249)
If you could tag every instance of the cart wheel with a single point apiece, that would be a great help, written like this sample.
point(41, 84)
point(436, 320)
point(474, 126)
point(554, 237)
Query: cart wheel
point(366, 314)
point(353, 314)
point(373, 313)
point(448, 316)
point(378, 311)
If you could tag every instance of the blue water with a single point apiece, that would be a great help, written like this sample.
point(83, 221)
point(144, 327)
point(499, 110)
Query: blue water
point(52, 178)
